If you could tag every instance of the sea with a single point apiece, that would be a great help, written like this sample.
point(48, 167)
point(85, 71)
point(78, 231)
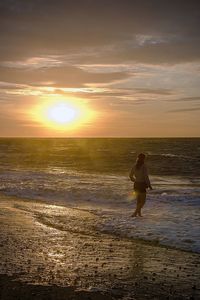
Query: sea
point(93, 174)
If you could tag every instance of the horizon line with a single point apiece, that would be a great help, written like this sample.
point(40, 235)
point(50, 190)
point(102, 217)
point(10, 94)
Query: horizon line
point(100, 137)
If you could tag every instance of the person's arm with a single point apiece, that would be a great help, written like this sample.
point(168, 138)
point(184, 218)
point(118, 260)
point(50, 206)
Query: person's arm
point(131, 175)
point(146, 177)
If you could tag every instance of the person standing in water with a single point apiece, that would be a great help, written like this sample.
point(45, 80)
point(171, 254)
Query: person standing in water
point(139, 175)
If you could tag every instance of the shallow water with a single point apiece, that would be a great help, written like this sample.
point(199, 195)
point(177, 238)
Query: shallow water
point(92, 174)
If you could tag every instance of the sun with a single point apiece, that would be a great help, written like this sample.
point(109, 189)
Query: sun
point(61, 114)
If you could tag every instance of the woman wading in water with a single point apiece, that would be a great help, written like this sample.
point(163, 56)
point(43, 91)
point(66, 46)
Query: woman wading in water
point(139, 175)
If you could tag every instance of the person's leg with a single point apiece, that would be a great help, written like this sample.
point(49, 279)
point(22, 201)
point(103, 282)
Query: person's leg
point(137, 204)
point(142, 200)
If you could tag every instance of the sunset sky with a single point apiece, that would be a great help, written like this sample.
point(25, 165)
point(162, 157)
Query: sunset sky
point(119, 68)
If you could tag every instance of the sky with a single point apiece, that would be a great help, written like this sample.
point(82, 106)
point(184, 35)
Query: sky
point(127, 68)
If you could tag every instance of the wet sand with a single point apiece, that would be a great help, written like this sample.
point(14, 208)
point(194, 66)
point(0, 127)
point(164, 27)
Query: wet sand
point(55, 252)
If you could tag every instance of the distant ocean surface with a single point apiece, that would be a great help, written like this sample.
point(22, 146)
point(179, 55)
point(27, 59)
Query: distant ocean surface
point(92, 174)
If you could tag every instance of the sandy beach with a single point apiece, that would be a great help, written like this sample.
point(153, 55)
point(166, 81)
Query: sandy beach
point(55, 252)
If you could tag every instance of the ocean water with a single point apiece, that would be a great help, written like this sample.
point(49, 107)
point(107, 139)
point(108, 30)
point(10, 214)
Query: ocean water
point(92, 174)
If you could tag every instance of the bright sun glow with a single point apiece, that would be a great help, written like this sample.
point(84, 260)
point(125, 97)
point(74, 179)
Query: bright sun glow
point(63, 115)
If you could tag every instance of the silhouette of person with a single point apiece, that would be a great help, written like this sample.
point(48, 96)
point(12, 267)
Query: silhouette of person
point(139, 175)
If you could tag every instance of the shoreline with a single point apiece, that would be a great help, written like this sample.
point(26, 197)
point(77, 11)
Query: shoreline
point(141, 240)
point(77, 257)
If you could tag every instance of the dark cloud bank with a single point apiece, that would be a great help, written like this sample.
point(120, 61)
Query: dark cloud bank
point(32, 28)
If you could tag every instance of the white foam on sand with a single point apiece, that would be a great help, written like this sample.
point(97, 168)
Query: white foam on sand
point(171, 215)
point(168, 220)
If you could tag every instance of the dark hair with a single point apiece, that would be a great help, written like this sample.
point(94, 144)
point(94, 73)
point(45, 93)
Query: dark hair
point(140, 160)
